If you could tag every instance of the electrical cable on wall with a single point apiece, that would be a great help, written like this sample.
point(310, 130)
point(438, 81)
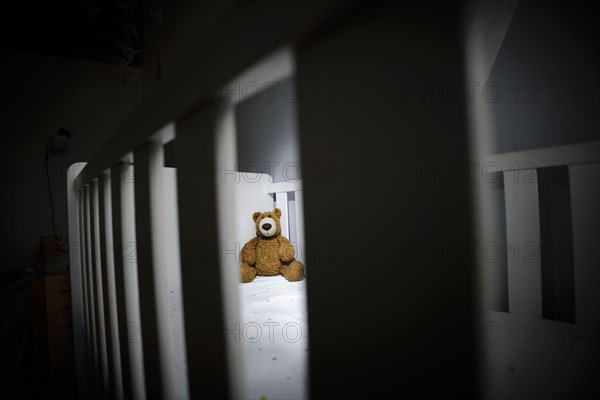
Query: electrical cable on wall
point(57, 143)
point(50, 193)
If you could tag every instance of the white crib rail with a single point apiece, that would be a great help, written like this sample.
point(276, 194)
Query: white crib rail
point(188, 96)
point(523, 225)
point(280, 191)
point(290, 220)
point(523, 234)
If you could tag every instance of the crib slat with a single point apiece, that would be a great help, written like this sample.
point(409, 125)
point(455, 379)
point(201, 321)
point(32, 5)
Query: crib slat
point(106, 262)
point(116, 182)
point(76, 283)
point(99, 292)
point(161, 203)
point(300, 243)
point(76, 260)
point(286, 186)
point(91, 300)
point(147, 188)
point(281, 201)
point(86, 287)
point(584, 182)
point(93, 254)
point(130, 276)
point(200, 269)
point(523, 240)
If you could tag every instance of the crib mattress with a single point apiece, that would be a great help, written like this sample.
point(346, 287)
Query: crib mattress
point(274, 336)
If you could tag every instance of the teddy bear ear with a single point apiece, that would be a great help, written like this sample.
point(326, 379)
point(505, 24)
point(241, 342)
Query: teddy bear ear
point(256, 215)
point(277, 212)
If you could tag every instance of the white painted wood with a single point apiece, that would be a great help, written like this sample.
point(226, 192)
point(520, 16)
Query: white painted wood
point(165, 134)
point(235, 205)
point(300, 246)
point(523, 240)
point(570, 154)
point(150, 251)
point(281, 201)
point(99, 291)
point(93, 254)
point(286, 186)
point(105, 262)
point(163, 263)
point(110, 302)
point(90, 329)
point(130, 277)
point(170, 300)
point(77, 277)
point(280, 192)
point(96, 363)
point(84, 289)
point(201, 273)
point(121, 336)
point(482, 43)
point(585, 212)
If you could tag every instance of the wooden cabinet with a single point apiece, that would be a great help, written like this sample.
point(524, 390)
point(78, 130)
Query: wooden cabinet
point(52, 328)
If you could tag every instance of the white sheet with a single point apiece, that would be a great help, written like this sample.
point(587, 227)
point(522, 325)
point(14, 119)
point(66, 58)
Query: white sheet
point(274, 336)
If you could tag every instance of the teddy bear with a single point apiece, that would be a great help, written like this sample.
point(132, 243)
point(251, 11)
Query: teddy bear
point(269, 253)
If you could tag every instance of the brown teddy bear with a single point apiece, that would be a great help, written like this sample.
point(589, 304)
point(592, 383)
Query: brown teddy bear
point(269, 253)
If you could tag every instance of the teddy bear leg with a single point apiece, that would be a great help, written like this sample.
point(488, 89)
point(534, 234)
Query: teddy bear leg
point(247, 273)
point(293, 272)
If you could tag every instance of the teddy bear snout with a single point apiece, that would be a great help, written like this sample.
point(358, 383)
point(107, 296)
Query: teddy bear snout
point(266, 227)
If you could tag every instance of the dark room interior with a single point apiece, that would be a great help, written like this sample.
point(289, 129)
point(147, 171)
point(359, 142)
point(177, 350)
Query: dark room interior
point(300, 199)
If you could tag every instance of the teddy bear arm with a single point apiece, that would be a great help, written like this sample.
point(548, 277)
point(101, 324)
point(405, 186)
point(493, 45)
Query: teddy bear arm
point(248, 253)
point(286, 250)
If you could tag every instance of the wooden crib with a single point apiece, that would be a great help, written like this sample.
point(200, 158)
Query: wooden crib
point(527, 353)
point(127, 284)
point(153, 249)
point(112, 342)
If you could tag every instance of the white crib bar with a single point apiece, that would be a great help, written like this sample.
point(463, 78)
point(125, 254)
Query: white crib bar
point(200, 267)
point(286, 186)
point(569, 154)
point(105, 262)
point(280, 192)
point(116, 182)
point(584, 180)
point(523, 225)
point(85, 287)
point(99, 291)
point(300, 242)
point(281, 201)
point(130, 277)
point(148, 188)
point(78, 285)
point(97, 363)
point(158, 203)
point(523, 239)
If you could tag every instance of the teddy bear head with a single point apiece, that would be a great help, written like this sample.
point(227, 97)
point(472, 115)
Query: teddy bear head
point(267, 223)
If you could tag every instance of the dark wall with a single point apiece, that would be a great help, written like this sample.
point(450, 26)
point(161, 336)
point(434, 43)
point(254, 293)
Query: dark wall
point(267, 133)
point(43, 94)
point(547, 71)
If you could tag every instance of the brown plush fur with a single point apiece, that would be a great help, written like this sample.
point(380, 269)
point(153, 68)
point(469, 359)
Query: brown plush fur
point(268, 256)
